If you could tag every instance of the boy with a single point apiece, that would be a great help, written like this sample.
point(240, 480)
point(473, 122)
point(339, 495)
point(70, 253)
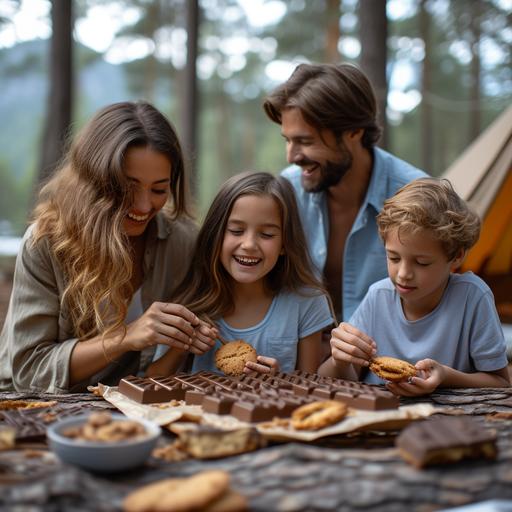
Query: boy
point(423, 311)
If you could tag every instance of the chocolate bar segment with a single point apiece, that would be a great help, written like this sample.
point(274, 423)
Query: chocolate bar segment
point(144, 391)
point(443, 440)
point(175, 388)
point(30, 424)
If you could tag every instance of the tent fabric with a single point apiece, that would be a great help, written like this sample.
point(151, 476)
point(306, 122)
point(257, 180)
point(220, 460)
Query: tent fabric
point(482, 176)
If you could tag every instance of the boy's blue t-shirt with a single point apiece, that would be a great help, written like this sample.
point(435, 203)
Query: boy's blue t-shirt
point(463, 331)
point(289, 318)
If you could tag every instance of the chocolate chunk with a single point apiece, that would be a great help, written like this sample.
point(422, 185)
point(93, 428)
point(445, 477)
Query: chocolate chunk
point(369, 400)
point(219, 403)
point(144, 391)
point(442, 440)
point(175, 388)
point(30, 424)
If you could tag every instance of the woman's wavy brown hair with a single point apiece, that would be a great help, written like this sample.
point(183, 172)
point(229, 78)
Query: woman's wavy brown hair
point(81, 209)
point(207, 289)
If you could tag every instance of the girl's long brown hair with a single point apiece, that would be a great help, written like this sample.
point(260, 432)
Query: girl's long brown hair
point(207, 287)
point(82, 207)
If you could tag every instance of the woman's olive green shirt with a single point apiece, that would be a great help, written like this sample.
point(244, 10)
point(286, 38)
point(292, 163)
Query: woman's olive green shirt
point(37, 338)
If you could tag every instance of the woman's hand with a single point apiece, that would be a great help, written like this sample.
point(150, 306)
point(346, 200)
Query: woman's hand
point(203, 339)
point(263, 364)
point(430, 375)
point(349, 345)
point(168, 324)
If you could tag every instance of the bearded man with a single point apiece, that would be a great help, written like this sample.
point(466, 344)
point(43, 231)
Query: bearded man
point(328, 118)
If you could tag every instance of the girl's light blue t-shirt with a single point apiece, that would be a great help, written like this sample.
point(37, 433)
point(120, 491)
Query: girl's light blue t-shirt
point(290, 317)
point(463, 331)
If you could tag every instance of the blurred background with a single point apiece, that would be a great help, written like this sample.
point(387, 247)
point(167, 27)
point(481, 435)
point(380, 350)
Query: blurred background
point(441, 69)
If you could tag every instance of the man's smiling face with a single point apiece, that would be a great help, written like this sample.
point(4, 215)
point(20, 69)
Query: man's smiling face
point(323, 159)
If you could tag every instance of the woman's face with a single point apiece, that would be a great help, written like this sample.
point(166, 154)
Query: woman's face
point(149, 172)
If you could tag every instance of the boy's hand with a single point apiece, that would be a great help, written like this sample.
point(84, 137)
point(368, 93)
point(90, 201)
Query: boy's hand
point(351, 346)
point(430, 376)
point(263, 364)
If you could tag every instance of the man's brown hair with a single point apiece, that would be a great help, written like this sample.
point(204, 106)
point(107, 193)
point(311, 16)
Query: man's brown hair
point(335, 97)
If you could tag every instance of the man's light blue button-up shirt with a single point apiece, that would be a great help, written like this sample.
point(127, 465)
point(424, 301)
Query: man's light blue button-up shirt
point(364, 260)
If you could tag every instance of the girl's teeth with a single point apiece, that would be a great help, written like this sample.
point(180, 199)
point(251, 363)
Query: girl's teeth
point(247, 261)
point(138, 218)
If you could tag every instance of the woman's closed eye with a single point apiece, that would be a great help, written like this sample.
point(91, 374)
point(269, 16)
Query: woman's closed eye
point(159, 191)
point(235, 232)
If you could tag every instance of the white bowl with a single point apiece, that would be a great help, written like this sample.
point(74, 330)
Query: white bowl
point(98, 456)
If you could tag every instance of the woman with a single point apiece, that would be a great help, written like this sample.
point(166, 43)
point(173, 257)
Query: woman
point(102, 257)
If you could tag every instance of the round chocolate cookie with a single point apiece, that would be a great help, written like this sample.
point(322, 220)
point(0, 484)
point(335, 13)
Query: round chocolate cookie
point(230, 359)
point(392, 369)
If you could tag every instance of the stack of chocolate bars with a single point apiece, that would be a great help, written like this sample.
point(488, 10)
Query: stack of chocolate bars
point(256, 397)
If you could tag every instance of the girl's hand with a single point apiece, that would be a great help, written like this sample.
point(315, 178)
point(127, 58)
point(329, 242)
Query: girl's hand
point(430, 376)
point(262, 365)
point(349, 345)
point(165, 323)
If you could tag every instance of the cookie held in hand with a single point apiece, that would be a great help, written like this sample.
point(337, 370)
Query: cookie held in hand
point(230, 359)
point(392, 369)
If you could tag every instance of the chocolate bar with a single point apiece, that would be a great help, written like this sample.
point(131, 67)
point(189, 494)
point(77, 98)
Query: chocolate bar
point(218, 403)
point(196, 387)
point(258, 410)
point(277, 386)
point(30, 424)
point(144, 391)
point(175, 388)
point(443, 440)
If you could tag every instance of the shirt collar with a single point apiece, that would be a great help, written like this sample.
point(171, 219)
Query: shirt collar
point(377, 189)
point(159, 227)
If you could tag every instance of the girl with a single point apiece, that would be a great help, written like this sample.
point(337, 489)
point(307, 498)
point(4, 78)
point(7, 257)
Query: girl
point(252, 275)
point(105, 244)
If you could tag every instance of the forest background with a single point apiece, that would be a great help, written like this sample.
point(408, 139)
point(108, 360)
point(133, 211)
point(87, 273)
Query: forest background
point(442, 71)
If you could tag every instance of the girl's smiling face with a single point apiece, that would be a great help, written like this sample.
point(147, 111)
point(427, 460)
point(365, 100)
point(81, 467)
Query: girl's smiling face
point(149, 172)
point(253, 239)
point(419, 268)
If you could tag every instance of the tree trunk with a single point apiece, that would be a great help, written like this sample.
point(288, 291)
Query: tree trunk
point(59, 105)
point(190, 100)
point(373, 33)
point(426, 90)
point(476, 68)
point(333, 31)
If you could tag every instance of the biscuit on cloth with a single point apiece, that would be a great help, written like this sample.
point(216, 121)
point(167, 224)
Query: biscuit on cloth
point(230, 359)
point(7, 405)
point(317, 415)
point(392, 369)
point(179, 494)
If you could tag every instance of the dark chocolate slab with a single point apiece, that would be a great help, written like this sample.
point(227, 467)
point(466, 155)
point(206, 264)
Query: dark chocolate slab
point(143, 390)
point(443, 440)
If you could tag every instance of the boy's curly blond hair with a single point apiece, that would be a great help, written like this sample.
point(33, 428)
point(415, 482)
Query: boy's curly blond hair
point(433, 204)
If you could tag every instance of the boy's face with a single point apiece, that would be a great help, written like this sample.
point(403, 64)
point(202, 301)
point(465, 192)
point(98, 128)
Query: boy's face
point(419, 268)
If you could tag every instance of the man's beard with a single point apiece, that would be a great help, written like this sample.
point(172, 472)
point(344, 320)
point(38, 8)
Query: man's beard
point(331, 173)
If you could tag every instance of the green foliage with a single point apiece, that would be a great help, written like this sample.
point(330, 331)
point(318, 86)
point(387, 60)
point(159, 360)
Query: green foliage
point(234, 133)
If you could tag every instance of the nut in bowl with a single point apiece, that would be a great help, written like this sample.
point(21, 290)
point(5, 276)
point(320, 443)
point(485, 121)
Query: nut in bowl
point(103, 442)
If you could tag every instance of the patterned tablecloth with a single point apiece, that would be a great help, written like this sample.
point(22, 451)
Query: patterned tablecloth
point(359, 472)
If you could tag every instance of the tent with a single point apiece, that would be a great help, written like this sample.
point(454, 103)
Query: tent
point(482, 176)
